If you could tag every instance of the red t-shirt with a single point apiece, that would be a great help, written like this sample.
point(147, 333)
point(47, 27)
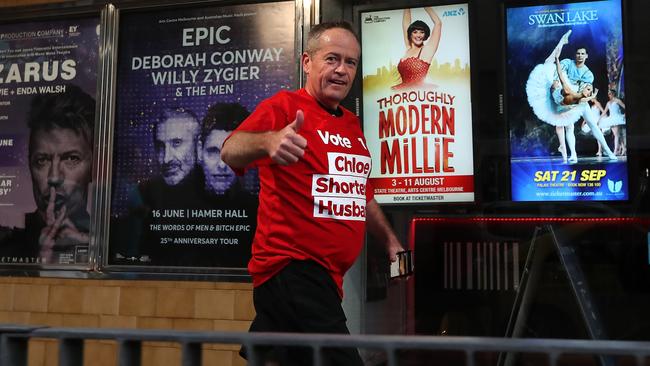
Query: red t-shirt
point(314, 209)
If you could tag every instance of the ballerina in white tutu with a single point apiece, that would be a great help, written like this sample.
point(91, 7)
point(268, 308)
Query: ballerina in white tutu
point(615, 120)
point(558, 92)
point(563, 90)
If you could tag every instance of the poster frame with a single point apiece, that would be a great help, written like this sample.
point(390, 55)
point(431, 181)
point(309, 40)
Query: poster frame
point(51, 12)
point(632, 158)
point(104, 173)
point(474, 58)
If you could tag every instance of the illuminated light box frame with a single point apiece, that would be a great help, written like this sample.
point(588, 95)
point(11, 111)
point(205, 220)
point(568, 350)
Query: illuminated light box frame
point(47, 68)
point(417, 114)
point(157, 223)
point(538, 122)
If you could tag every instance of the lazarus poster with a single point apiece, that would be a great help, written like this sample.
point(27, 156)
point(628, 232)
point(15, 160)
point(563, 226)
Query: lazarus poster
point(566, 102)
point(416, 104)
point(48, 77)
point(186, 79)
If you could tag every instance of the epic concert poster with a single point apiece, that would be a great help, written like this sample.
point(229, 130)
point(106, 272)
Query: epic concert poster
point(417, 113)
point(187, 78)
point(566, 102)
point(48, 77)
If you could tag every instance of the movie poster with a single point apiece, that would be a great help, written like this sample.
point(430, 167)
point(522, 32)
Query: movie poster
point(566, 102)
point(48, 77)
point(417, 113)
point(186, 79)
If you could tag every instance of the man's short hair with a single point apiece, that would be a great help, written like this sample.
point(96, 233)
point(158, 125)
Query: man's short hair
point(582, 47)
point(73, 109)
point(176, 112)
point(223, 116)
point(317, 31)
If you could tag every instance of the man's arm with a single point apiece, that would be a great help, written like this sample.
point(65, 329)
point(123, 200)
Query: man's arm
point(379, 227)
point(242, 148)
point(284, 147)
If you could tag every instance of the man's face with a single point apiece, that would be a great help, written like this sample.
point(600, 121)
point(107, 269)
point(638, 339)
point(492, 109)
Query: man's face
point(581, 55)
point(61, 159)
point(331, 69)
point(175, 144)
point(218, 176)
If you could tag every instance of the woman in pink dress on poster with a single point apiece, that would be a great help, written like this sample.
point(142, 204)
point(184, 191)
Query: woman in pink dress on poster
point(414, 65)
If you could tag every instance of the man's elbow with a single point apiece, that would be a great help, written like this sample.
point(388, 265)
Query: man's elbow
point(227, 154)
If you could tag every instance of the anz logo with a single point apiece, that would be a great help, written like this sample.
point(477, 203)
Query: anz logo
point(454, 13)
point(614, 187)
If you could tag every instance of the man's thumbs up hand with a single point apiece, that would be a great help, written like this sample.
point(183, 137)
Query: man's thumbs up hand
point(297, 123)
point(287, 146)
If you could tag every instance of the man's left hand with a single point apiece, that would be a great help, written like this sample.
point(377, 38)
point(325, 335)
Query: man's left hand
point(394, 247)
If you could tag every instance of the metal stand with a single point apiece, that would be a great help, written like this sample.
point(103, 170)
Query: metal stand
point(543, 244)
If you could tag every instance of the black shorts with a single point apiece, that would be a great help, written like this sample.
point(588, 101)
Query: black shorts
point(301, 298)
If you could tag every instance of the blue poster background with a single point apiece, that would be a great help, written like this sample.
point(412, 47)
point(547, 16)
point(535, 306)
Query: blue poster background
point(189, 59)
point(538, 172)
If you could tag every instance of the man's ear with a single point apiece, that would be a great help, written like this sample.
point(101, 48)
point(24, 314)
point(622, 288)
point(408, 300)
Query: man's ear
point(305, 60)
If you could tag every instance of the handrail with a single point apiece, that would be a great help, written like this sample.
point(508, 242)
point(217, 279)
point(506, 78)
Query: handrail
point(14, 340)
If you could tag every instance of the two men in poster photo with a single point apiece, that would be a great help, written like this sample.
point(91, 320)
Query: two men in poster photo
point(191, 179)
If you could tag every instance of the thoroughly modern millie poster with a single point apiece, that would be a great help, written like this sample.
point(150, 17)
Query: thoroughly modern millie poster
point(417, 113)
point(566, 102)
point(48, 77)
point(186, 79)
